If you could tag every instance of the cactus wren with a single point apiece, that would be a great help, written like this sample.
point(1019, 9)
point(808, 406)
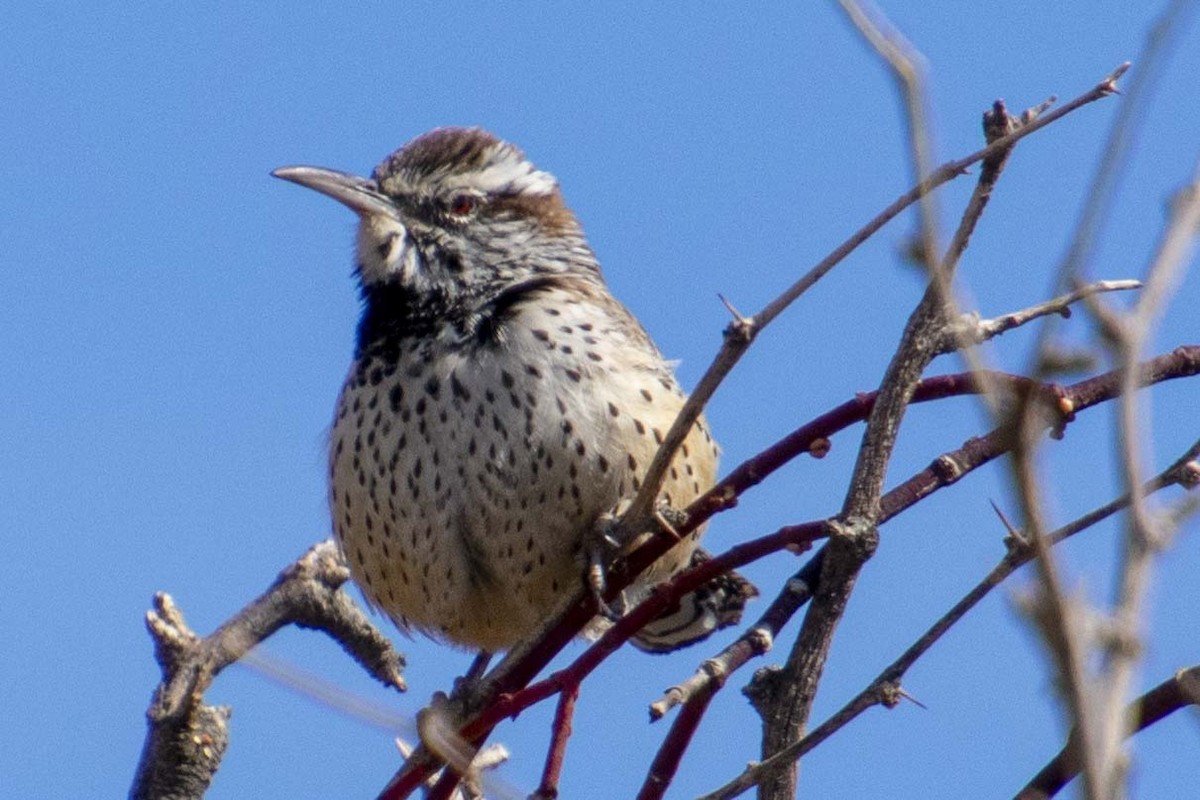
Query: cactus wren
point(500, 402)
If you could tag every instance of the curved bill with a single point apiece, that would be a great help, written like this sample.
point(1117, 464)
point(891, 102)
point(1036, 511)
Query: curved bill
point(360, 195)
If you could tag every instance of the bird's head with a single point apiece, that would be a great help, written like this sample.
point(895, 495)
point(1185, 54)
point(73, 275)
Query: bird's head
point(456, 215)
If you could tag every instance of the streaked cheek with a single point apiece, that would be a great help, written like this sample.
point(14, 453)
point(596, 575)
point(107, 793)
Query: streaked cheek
point(385, 250)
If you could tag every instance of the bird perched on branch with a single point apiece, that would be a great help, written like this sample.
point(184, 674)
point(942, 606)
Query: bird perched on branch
point(500, 404)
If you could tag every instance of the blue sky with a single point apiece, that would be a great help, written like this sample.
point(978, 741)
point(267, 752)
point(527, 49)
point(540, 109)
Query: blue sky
point(175, 325)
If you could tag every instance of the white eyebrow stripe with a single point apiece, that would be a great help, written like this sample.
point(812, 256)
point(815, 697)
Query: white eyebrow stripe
point(508, 176)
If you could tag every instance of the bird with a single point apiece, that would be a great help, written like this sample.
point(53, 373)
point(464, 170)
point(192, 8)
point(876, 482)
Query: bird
point(500, 404)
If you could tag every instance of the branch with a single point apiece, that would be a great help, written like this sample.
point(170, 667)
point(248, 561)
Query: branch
point(666, 760)
point(743, 330)
point(1071, 272)
point(486, 706)
point(560, 733)
point(1145, 537)
point(1179, 691)
point(784, 697)
point(1100, 755)
point(969, 328)
point(885, 687)
point(814, 438)
point(521, 664)
point(186, 738)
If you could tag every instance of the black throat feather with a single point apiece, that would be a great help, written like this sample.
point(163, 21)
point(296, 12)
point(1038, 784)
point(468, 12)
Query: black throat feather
point(394, 314)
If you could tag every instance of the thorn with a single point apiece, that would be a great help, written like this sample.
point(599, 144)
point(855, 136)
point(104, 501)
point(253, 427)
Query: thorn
point(1015, 540)
point(1012, 531)
point(737, 315)
point(900, 690)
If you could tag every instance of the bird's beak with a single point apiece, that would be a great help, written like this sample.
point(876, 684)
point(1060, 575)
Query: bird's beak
point(360, 195)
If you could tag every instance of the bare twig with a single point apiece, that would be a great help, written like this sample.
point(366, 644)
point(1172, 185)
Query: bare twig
point(907, 67)
point(186, 738)
point(784, 697)
point(490, 706)
point(1068, 649)
point(323, 691)
point(1144, 537)
point(743, 330)
point(471, 788)
point(666, 760)
point(1099, 737)
point(882, 690)
point(560, 733)
point(1068, 652)
point(970, 328)
point(520, 665)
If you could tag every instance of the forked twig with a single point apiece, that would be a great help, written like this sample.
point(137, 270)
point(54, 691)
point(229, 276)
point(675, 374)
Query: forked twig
point(882, 688)
point(494, 706)
point(945, 470)
point(186, 738)
point(743, 330)
point(758, 638)
point(521, 665)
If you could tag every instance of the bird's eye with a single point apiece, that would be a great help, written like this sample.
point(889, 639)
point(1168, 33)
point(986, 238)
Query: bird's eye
point(463, 205)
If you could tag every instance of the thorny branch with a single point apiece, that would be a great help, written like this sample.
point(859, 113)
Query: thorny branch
point(1183, 472)
point(1093, 708)
point(759, 638)
point(1060, 404)
point(743, 330)
point(521, 665)
point(783, 697)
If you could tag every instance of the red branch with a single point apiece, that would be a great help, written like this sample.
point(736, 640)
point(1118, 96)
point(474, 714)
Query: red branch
point(670, 753)
point(508, 697)
point(561, 732)
point(946, 469)
point(621, 631)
